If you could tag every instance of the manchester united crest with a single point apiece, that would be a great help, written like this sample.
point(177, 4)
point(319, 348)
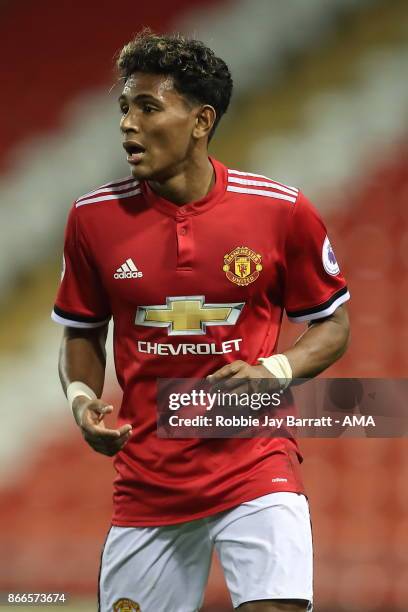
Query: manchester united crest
point(126, 605)
point(242, 266)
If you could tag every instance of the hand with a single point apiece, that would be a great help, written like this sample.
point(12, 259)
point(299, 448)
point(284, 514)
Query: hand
point(89, 415)
point(242, 377)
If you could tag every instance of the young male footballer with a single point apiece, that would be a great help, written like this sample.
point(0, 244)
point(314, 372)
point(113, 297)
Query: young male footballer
point(195, 262)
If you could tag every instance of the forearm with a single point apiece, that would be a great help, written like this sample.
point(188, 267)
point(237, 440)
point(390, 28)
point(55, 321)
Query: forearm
point(83, 358)
point(321, 345)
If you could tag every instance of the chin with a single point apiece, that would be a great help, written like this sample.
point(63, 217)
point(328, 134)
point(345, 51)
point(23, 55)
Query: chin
point(140, 173)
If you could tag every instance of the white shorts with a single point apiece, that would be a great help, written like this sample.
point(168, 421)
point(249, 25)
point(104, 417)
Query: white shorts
point(264, 546)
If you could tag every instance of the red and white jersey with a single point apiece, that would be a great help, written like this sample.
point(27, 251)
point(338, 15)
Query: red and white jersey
point(190, 289)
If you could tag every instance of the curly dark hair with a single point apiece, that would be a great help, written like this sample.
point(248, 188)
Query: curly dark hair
point(197, 72)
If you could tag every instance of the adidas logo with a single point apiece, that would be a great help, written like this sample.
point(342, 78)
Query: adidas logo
point(128, 270)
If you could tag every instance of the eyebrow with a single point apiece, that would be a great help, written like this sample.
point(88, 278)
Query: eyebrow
point(139, 97)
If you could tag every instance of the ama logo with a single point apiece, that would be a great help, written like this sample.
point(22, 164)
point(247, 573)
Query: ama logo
point(329, 259)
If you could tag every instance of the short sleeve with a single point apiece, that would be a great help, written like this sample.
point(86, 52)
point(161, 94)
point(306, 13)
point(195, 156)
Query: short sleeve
point(81, 299)
point(314, 284)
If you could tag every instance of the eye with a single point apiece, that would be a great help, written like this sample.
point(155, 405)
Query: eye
point(123, 109)
point(147, 108)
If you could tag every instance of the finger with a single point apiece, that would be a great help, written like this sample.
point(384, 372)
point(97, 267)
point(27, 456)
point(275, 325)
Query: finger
point(123, 436)
point(100, 410)
point(104, 411)
point(99, 407)
point(230, 383)
point(101, 432)
point(110, 447)
point(241, 375)
point(120, 444)
point(124, 429)
point(225, 371)
point(96, 411)
point(233, 383)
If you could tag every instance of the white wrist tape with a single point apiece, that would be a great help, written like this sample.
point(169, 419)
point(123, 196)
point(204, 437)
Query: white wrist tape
point(279, 366)
point(77, 388)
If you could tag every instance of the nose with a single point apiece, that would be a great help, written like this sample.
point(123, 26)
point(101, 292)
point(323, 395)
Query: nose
point(128, 124)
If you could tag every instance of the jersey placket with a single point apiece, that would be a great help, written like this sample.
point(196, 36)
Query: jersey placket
point(184, 237)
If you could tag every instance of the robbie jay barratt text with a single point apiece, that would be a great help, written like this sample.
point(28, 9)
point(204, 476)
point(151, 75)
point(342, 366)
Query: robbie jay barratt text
point(267, 421)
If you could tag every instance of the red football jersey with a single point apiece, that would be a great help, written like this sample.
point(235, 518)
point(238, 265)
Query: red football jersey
point(251, 248)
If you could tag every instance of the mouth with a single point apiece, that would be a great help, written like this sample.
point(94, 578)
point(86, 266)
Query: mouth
point(135, 152)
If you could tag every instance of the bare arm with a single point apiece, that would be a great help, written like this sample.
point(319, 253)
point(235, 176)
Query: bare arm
point(323, 343)
point(83, 358)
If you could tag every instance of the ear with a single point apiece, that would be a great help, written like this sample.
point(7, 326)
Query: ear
point(204, 122)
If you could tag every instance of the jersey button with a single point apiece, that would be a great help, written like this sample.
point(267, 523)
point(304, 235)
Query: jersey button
point(182, 210)
point(183, 231)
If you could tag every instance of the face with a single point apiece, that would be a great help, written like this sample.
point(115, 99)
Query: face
point(158, 124)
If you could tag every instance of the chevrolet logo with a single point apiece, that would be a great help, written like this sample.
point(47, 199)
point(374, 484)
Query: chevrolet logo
point(188, 315)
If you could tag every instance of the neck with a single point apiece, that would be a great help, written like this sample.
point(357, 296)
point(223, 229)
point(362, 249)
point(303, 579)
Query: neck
point(191, 183)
